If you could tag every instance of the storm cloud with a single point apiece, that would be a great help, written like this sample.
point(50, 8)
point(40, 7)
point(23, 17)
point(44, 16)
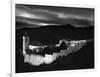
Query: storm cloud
point(49, 15)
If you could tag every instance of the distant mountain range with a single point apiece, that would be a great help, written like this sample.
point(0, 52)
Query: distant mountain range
point(20, 25)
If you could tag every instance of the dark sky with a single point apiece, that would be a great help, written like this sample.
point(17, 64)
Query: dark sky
point(50, 15)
